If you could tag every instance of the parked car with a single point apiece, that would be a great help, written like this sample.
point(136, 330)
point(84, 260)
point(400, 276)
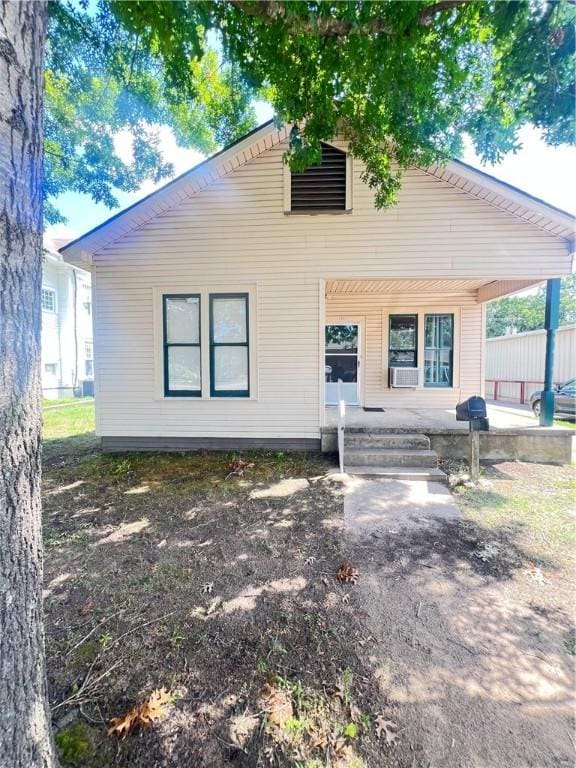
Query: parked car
point(564, 402)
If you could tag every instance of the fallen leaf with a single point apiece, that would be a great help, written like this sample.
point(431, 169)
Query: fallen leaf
point(347, 573)
point(276, 704)
point(208, 587)
point(87, 608)
point(142, 715)
point(388, 728)
point(239, 467)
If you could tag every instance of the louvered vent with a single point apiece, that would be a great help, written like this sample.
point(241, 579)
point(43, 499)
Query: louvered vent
point(321, 187)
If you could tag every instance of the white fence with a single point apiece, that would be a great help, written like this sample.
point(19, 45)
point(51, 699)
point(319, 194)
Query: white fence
point(515, 364)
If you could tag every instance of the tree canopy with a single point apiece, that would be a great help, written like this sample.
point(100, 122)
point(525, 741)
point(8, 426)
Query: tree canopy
point(403, 81)
point(515, 314)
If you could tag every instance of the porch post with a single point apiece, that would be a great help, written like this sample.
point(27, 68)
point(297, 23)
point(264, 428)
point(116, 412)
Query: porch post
point(551, 324)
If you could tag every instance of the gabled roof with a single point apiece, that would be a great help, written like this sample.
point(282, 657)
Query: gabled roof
point(470, 180)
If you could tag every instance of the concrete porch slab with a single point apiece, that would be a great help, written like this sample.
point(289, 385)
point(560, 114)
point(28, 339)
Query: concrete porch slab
point(514, 432)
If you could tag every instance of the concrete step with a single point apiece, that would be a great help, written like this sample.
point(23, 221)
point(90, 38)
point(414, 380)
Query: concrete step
point(390, 457)
point(399, 473)
point(386, 440)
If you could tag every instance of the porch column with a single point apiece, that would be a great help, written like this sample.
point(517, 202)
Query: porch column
point(551, 324)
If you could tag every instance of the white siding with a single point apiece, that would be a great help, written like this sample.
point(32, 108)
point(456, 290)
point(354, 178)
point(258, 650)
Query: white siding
point(234, 233)
point(64, 331)
point(521, 358)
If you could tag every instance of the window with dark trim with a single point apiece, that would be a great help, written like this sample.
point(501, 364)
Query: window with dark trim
point(181, 334)
point(438, 350)
point(320, 188)
point(229, 345)
point(403, 341)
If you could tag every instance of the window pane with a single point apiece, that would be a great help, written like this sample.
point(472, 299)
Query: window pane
point(343, 367)
point(230, 369)
point(183, 320)
point(229, 320)
point(402, 358)
point(402, 332)
point(184, 368)
point(438, 334)
point(48, 299)
point(341, 338)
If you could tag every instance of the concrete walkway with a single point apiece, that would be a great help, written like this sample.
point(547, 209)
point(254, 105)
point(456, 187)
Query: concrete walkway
point(471, 672)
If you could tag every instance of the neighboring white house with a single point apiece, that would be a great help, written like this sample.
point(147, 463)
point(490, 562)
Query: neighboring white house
point(67, 346)
point(516, 362)
point(229, 302)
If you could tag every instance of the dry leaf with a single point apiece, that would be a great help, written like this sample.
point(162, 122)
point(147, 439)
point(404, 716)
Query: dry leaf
point(276, 704)
point(347, 573)
point(208, 587)
point(142, 715)
point(87, 608)
point(388, 728)
point(239, 467)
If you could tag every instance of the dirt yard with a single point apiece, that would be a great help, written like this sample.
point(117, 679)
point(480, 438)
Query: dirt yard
point(176, 572)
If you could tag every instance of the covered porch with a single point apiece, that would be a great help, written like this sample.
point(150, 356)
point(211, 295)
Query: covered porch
point(407, 343)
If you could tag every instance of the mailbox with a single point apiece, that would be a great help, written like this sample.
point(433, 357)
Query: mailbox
point(474, 411)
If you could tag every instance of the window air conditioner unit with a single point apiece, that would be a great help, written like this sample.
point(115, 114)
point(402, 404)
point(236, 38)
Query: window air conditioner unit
point(404, 377)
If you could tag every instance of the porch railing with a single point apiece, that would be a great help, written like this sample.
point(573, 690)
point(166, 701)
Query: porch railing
point(341, 425)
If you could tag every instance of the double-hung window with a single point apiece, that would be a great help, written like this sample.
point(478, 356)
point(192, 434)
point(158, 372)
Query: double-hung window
point(48, 299)
point(229, 345)
point(438, 350)
point(182, 358)
point(403, 341)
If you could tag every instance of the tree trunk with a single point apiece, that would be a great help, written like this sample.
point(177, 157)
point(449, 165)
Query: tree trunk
point(25, 739)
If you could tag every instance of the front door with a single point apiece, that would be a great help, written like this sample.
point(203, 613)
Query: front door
point(342, 361)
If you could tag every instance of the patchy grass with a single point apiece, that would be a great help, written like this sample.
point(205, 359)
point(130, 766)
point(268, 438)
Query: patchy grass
point(173, 571)
point(166, 570)
point(567, 422)
point(532, 503)
point(69, 432)
point(46, 403)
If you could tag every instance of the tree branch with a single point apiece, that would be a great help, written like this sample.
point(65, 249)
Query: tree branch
point(270, 11)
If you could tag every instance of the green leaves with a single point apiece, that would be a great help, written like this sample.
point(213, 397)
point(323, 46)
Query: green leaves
point(404, 82)
point(126, 70)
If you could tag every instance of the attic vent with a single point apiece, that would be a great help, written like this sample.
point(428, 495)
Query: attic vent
point(321, 187)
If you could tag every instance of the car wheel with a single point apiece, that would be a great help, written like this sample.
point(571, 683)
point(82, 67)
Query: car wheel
point(536, 408)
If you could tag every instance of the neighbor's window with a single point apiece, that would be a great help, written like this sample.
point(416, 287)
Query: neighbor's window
point(321, 188)
point(229, 345)
point(438, 350)
point(48, 300)
point(51, 369)
point(403, 341)
point(182, 367)
point(88, 360)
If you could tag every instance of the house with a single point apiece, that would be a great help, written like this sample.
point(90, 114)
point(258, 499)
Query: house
point(230, 302)
point(67, 347)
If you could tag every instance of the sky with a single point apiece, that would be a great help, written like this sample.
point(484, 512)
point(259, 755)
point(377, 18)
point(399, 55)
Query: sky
point(545, 172)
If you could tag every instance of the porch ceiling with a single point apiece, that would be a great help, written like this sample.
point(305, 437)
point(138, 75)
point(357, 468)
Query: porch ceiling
point(403, 286)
